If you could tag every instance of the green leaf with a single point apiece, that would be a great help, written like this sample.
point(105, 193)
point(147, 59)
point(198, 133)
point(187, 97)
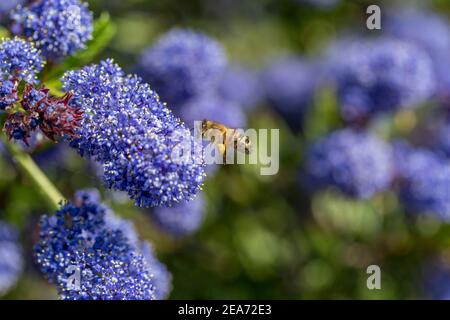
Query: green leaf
point(27, 166)
point(323, 117)
point(4, 33)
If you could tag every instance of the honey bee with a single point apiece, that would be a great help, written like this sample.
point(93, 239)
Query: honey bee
point(230, 137)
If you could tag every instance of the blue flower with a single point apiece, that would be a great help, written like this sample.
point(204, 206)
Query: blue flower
point(289, 84)
point(161, 276)
point(19, 59)
point(8, 93)
point(436, 130)
point(57, 27)
point(182, 219)
point(240, 85)
point(134, 136)
point(7, 5)
point(182, 64)
point(431, 32)
point(355, 162)
point(88, 257)
point(422, 179)
point(370, 77)
point(436, 280)
point(423, 27)
point(215, 108)
point(11, 261)
point(321, 4)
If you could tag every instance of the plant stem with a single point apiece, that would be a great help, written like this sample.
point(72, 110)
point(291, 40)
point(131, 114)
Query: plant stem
point(28, 168)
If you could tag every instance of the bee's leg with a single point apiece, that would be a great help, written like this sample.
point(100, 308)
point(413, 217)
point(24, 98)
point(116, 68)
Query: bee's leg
point(223, 151)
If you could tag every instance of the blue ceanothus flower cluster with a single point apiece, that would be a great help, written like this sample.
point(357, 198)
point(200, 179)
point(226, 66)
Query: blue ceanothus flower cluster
point(381, 75)
point(357, 163)
point(162, 278)
point(11, 261)
point(289, 84)
point(422, 180)
point(183, 64)
point(429, 31)
point(7, 5)
point(133, 135)
point(19, 60)
point(435, 280)
point(182, 219)
point(57, 27)
point(89, 253)
point(189, 69)
point(240, 85)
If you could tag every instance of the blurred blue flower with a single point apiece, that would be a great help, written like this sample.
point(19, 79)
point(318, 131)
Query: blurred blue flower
point(371, 77)
point(214, 108)
point(181, 219)
point(182, 64)
point(355, 162)
point(87, 257)
point(422, 179)
point(424, 27)
point(435, 133)
point(7, 5)
point(240, 85)
point(57, 27)
point(289, 84)
point(11, 261)
point(436, 281)
point(134, 136)
point(319, 3)
point(19, 59)
point(431, 32)
point(161, 276)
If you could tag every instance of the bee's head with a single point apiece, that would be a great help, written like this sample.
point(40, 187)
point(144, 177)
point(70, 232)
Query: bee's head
point(245, 145)
point(248, 145)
